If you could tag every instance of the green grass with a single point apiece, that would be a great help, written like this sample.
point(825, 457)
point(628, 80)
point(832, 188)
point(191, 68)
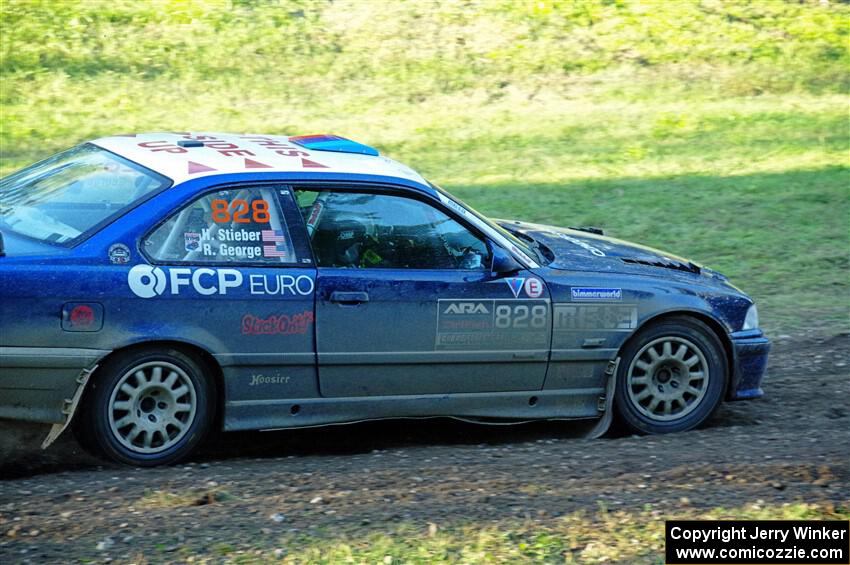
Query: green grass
point(716, 130)
point(609, 537)
point(781, 236)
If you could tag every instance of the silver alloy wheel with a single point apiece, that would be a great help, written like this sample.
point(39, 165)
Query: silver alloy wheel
point(152, 407)
point(667, 379)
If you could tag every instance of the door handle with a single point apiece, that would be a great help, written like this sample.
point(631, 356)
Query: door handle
point(349, 297)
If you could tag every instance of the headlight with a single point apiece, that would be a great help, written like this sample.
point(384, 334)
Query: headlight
point(751, 321)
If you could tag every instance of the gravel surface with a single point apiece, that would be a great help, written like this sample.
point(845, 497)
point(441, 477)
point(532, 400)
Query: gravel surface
point(246, 489)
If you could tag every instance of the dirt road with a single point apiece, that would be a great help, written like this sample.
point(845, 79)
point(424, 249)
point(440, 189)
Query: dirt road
point(248, 488)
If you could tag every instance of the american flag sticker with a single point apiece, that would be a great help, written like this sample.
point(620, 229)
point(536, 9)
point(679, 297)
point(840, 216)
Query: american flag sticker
point(274, 243)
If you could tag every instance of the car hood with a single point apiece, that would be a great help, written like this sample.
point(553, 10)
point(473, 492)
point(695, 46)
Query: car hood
point(578, 250)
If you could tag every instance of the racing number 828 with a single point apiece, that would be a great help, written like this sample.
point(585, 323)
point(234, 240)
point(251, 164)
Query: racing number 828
point(519, 316)
point(221, 211)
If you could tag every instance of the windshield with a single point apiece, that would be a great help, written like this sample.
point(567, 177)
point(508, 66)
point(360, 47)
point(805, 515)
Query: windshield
point(523, 245)
point(63, 197)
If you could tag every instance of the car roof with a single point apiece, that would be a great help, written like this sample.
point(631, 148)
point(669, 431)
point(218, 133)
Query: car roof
point(180, 156)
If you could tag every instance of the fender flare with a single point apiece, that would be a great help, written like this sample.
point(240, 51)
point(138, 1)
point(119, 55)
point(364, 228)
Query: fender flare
point(69, 407)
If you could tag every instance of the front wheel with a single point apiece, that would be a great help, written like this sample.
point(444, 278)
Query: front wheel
point(671, 377)
point(147, 408)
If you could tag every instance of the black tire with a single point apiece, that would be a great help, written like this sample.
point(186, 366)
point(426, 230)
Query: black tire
point(156, 408)
point(645, 377)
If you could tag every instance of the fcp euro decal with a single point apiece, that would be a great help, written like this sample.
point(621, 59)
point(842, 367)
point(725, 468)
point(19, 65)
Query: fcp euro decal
point(146, 282)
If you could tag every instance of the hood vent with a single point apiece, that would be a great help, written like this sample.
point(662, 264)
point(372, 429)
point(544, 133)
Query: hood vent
point(589, 229)
point(670, 264)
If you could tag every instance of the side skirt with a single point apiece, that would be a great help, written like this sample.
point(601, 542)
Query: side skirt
point(306, 412)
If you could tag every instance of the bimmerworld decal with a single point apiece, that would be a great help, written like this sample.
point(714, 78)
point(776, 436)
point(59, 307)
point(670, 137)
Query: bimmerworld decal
point(593, 293)
point(147, 282)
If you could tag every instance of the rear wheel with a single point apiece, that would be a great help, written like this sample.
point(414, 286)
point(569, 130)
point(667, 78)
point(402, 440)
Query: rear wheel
point(147, 408)
point(671, 377)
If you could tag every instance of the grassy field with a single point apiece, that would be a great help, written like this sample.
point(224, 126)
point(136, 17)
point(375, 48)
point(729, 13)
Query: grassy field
point(605, 537)
point(716, 130)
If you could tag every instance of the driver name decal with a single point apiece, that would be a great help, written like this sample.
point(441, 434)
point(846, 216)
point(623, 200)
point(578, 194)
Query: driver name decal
point(237, 243)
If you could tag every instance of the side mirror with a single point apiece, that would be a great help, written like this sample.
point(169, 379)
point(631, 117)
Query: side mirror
point(503, 262)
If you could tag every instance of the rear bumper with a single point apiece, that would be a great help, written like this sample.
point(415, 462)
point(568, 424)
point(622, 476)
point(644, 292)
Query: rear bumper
point(38, 384)
point(750, 351)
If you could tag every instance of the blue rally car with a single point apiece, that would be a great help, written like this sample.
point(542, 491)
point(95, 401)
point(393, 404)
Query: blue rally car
point(157, 285)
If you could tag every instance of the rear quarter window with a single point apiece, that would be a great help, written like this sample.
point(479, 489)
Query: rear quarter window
point(61, 199)
point(238, 225)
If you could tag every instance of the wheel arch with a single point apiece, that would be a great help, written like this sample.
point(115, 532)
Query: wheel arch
point(185, 347)
point(717, 327)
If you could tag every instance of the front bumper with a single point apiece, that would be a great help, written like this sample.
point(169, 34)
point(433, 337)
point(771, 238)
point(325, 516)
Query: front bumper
point(750, 349)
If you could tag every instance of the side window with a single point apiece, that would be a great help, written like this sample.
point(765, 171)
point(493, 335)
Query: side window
point(239, 225)
point(362, 230)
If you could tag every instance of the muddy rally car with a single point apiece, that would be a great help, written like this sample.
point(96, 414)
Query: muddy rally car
point(155, 286)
